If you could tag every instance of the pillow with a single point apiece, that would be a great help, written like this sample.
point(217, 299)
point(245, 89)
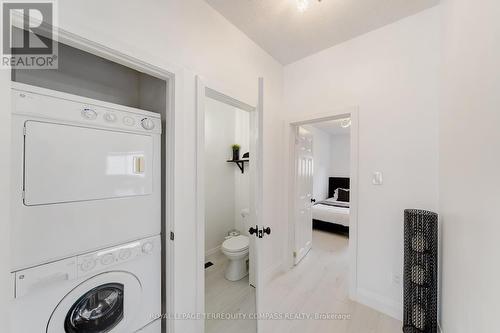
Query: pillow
point(343, 195)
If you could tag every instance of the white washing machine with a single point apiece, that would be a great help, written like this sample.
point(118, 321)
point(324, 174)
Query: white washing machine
point(114, 290)
point(86, 175)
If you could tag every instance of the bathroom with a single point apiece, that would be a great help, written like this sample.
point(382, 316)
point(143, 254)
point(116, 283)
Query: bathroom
point(229, 273)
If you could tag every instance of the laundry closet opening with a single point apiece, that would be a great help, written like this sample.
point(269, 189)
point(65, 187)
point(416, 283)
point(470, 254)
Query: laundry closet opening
point(85, 74)
point(90, 193)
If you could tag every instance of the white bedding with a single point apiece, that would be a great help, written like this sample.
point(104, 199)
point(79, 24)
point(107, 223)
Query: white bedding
point(331, 214)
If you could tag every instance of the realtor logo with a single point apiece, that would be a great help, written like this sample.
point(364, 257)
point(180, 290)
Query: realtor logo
point(28, 39)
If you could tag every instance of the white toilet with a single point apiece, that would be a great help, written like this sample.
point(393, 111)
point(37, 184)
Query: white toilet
point(236, 250)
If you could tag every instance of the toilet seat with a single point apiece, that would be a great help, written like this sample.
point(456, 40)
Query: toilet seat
point(236, 244)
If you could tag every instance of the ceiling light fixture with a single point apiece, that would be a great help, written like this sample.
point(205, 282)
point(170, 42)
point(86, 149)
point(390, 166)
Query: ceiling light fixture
point(345, 123)
point(302, 5)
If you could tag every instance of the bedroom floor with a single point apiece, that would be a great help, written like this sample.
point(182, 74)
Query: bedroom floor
point(223, 296)
point(319, 285)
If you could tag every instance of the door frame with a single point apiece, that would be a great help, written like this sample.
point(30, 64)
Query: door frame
point(291, 125)
point(204, 91)
point(170, 73)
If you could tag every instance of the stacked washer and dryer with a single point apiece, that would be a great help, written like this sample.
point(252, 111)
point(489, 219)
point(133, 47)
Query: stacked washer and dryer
point(86, 215)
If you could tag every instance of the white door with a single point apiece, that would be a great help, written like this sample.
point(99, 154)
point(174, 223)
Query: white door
point(303, 193)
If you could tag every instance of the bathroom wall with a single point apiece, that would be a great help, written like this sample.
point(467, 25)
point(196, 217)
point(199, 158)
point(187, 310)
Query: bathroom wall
point(226, 188)
point(241, 181)
point(219, 175)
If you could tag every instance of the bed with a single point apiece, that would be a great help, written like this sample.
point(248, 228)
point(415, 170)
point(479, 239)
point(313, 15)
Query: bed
point(332, 211)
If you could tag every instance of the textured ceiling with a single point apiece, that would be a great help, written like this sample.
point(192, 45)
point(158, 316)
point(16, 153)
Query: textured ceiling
point(289, 35)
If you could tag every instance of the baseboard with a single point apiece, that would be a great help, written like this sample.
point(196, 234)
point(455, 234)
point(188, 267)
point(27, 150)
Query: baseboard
point(380, 303)
point(212, 251)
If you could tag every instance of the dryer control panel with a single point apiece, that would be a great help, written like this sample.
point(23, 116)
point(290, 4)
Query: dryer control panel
point(47, 104)
point(112, 256)
point(44, 276)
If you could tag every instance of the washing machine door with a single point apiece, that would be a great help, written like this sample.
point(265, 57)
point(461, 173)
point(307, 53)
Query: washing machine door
point(104, 303)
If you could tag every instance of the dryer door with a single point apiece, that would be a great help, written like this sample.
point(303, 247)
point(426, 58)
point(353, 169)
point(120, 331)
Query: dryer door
point(104, 303)
point(64, 163)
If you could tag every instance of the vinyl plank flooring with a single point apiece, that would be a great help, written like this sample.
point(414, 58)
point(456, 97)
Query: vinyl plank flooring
point(227, 297)
point(319, 284)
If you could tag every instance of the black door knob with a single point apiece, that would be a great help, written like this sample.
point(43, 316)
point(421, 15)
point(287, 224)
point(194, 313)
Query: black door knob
point(253, 230)
point(313, 200)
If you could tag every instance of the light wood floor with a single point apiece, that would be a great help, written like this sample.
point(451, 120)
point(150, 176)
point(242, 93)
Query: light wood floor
point(223, 296)
point(319, 285)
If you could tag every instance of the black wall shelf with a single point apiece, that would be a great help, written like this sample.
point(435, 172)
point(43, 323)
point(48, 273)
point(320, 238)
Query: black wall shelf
point(240, 163)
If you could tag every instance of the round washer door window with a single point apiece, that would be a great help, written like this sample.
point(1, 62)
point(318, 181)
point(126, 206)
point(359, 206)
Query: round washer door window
point(104, 303)
point(98, 310)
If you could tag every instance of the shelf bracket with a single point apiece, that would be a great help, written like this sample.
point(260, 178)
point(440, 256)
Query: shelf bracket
point(240, 164)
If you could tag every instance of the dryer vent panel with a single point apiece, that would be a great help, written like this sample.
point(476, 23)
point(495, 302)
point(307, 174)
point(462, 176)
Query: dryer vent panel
point(420, 271)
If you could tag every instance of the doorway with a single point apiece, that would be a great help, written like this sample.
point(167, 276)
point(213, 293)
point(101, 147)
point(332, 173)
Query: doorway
point(228, 205)
point(314, 186)
point(320, 271)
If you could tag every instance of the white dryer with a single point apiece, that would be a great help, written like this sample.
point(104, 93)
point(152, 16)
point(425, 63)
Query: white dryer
point(115, 290)
point(86, 175)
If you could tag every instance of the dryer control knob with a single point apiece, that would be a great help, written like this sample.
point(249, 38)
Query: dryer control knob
point(147, 248)
point(129, 121)
point(110, 117)
point(87, 264)
point(89, 114)
point(125, 254)
point(148, 124)
point(108, 259)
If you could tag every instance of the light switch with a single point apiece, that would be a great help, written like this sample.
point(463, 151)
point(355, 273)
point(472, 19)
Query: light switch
point(377, 178)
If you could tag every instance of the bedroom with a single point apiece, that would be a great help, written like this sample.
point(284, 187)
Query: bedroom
point(331, 171)
point(322, 174)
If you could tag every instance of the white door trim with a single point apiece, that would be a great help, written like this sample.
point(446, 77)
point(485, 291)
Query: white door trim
point(202, 92)
point(305, 119)
point(159, 68)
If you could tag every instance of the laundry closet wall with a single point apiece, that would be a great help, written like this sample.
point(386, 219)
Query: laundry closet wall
point(191, 34)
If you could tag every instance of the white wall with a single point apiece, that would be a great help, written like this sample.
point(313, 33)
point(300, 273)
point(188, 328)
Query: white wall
point(392, 75)
point(6, 291)
point(322, 162)
point(227, 190)
point(191, 34)
point(470, 163)
point(241, 180)
point(340, 155)
point(219, 175)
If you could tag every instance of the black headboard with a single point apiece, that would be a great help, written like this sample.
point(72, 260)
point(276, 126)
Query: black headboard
point(337, 182)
